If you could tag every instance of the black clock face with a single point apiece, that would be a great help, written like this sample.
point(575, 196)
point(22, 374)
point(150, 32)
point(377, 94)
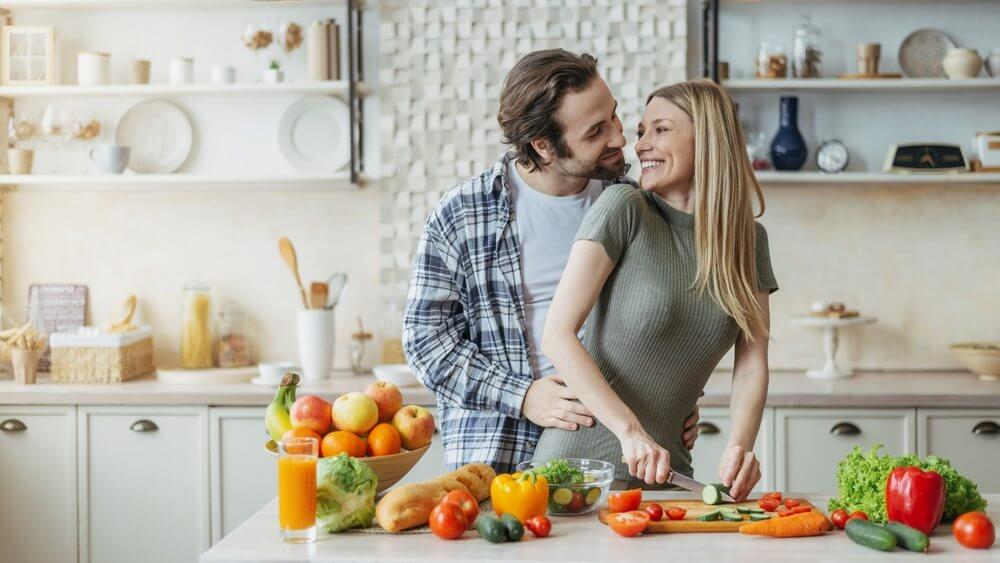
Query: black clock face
point(928, 157)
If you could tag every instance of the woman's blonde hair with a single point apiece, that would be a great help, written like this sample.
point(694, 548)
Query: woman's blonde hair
point(724, 184)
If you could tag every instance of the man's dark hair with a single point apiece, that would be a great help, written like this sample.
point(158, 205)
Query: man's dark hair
point(530, 96)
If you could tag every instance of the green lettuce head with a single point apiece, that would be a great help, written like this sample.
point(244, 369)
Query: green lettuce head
point(345, 494)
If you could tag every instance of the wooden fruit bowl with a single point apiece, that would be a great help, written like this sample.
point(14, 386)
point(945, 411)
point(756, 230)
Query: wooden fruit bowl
point(388, 468)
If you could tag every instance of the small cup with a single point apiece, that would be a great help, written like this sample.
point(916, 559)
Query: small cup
point(223, 74)
point(110, 157)
point(181, 71)
point(272, 372)
point(868, 58)
point(25, 365)
point(138, 71)
point(19, 160)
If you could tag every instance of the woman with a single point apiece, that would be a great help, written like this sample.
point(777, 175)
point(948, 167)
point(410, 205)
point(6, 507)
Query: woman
point(672, 276)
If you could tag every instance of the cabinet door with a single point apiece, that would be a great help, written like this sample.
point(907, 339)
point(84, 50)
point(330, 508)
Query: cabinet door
point(969, 438)
point(713, 436)
point(243, 474)
point(432, 463)
point(38, 520)
point(811, 442)
point(143, 484)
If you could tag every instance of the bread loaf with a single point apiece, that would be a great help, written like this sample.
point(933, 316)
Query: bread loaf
point(409, 506)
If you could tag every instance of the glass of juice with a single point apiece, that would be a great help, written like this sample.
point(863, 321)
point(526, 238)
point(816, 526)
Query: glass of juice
point(297, 489)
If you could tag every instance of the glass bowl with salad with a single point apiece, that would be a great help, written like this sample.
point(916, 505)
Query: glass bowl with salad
point(576, 485)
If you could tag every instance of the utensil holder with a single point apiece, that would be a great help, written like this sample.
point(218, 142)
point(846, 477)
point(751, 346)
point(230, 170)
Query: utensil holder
point(316, 335)
point(25, 364)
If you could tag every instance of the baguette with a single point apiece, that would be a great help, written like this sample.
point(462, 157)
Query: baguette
point(409, 506)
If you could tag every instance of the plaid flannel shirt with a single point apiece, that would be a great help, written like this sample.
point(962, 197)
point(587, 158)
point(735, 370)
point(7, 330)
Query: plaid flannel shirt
point(463, 328)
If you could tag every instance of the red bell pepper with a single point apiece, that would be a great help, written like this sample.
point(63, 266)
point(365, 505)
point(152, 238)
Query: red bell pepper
point(915, 498)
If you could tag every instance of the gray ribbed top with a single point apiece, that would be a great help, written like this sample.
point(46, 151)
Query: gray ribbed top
point(654, 338)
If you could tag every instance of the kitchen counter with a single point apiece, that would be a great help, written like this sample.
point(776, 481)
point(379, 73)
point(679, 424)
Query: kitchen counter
point(958, 389)
point(574, 539)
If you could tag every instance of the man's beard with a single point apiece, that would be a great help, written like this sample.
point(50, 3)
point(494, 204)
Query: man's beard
point(596, 170)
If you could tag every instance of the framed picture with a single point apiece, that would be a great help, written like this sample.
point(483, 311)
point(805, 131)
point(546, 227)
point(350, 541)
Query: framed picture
point(27, 55)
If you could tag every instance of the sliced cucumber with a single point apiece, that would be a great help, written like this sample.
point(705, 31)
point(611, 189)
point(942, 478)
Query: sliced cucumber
point(732, 517)
point(749, 510)
point(755, 517)
point(870, 534)
point(711, 494)
point(711, 516)
point(909, 538)
point(593, 495)
point(562, 496)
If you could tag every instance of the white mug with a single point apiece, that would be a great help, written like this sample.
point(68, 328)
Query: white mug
point(110, 157)
point(315, 331)
point(223, 74)
point(181, 70)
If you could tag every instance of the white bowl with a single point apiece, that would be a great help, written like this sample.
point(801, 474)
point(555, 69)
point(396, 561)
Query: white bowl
point(272, 372)
point(399, 374)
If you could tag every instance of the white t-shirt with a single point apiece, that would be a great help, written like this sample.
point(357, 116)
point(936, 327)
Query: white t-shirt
point(546, 227)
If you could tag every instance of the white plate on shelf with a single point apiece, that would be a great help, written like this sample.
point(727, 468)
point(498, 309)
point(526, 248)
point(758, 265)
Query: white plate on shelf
point(315, 134)
point(207, 376)
point(159, 134)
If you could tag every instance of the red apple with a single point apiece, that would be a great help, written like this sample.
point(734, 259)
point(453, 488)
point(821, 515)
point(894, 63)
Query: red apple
point(415, 425)
point(312, 412)
point(387, 397)
point(355, 412)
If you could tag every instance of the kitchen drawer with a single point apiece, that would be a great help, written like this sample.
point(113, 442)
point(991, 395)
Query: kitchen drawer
point(969, 438)
point(38, 519)
point(714, 428)
point(143, 480)
point(243, 474)
point(811, 442)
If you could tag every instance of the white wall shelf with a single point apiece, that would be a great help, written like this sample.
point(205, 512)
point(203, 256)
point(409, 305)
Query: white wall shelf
point(329, 87)
point(160, 4)
point(881, 85)
point(176, 182)
point(771, 177)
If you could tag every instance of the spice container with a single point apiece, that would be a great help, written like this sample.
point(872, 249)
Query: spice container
point(196, 327)
point(233, 345)
point(771, 61)
point(806, 54)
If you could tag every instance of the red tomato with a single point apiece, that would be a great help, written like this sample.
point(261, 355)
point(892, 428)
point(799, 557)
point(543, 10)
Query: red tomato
point(675, 513)
point(577, 501)
point(791, 503)
point(856, 514)
point(775, 495)
point(447, 521)
point(839, 518)
point(466, 502)
point(624, 501)
point(769, 504)
point(974, 530)
point(539, 525)
point(655, 512)
point(630, 523)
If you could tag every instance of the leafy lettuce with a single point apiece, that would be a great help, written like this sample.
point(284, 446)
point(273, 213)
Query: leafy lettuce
point(345, 494)
point(861, 479)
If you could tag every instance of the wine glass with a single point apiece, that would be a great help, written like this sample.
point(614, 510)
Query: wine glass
point(56, 127)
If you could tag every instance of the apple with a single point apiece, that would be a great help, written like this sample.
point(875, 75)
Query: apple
point(415, 426)
point(387, 397)
point(355, 412)
point(312, 412)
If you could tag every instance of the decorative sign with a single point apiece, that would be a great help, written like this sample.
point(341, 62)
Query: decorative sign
point(57, 308)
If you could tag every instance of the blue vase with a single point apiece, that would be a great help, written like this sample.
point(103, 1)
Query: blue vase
point(788, 149)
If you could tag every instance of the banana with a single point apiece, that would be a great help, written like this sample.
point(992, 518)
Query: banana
point(277, 419)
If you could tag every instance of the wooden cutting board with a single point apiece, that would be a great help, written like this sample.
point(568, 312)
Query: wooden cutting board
point(690, 523)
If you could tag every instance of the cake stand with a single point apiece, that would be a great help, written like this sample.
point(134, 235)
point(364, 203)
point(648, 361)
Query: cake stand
point(831, 328)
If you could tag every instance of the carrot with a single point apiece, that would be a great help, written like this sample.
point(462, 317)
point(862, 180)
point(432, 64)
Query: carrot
point(796, 526)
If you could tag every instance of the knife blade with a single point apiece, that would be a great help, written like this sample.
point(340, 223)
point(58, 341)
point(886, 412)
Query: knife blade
point(690, 484)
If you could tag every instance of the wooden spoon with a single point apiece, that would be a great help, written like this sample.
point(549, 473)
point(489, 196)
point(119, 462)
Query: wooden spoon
point(318, 294)
point(288, 255)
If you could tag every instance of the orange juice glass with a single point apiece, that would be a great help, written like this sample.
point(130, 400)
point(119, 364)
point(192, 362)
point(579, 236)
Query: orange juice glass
point(297, 489)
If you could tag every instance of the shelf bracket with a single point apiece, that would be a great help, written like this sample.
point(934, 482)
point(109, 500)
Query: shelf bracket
point(355, 75)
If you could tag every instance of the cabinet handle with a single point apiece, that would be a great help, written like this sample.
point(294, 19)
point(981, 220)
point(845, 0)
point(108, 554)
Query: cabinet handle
point(984, 428)
point(144, 426)
point(12, 425)
point(845, 429)
point(707, 428)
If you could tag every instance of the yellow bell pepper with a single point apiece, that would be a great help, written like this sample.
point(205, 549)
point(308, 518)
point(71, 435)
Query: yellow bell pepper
point(522, 494)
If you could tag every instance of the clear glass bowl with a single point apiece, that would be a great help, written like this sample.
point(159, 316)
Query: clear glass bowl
point(580, 498)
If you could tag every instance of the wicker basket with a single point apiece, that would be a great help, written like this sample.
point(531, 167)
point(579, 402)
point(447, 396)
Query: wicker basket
point(101, 358)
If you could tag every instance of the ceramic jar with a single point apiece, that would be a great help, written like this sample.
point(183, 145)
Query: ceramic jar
point(993, 63)
point(962, 63)
point(93, 68)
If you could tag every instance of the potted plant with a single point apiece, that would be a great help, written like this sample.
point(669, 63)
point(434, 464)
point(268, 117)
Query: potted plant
point(273, 73)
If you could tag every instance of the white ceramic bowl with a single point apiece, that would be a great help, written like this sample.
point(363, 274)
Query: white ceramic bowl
point(399, 374)
point(272, 372)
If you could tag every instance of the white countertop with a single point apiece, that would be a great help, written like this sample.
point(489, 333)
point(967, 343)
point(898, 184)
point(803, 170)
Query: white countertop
point(575, 539)
point(787, 389)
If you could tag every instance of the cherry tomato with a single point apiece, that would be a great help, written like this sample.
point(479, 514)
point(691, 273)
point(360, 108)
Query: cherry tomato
point(791, 503)
point(466, 502)
point(628, 524)
point(675, 513)
point(655, 512)
point(624, 501)
point(539, 525)
point(775, 495)
point(856, 514)
point(447, 521)
point(974, 530)
point(769, 504)
point(801, 509)
point(578, 501)
point(839, 518)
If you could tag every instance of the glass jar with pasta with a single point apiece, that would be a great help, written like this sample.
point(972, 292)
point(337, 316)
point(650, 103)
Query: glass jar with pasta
point(196, 327)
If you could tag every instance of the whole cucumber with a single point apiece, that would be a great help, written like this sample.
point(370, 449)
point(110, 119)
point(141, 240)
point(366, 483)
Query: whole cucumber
point(491, 529)
point(513, 526)
point(870, 534)
point(909, 538)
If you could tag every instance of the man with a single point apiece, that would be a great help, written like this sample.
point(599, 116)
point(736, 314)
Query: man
point(492, 253)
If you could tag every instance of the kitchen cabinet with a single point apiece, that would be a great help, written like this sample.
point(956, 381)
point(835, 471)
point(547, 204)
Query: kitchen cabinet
point(714, 428)
point(969, 438)
point(38, 518)
point(243, 474)
point(811, 442)
point(143, 484)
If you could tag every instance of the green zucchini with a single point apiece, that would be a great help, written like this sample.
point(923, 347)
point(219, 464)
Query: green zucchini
point(712, 494)
point(909, 538)
point(870, 534)
point(732, 517)
point(755, 517)
point(711, 516)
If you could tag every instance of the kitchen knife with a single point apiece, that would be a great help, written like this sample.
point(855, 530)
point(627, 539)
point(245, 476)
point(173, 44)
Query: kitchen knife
point(690, 484)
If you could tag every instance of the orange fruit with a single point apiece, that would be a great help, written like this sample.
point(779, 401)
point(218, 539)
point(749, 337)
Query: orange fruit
point(302, 432)
point(341, 441)
point(384, 440)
